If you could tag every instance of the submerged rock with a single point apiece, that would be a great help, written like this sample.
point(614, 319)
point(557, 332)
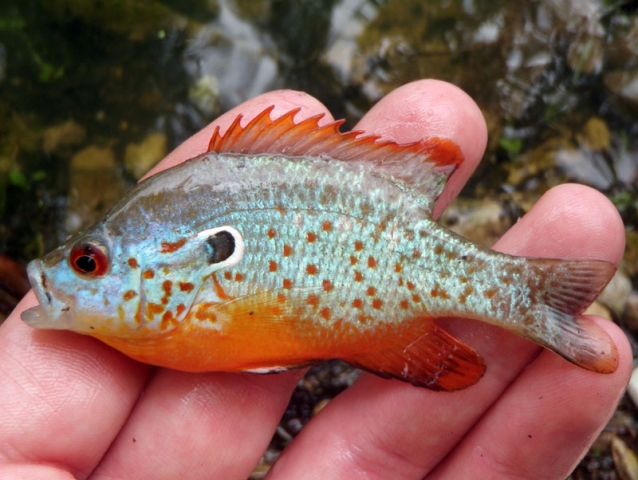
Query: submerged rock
point(139, 158)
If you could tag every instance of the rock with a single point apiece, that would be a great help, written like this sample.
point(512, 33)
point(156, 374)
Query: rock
point(600, 310)
point(481, 221)
point(595, 134)
point(625, 459)
point(585, 55)
point(94, 186)
point(140, 158)
point(630, 317)
point(615, 295)
point(205, 94)
point(58, 138)
point(624, 83)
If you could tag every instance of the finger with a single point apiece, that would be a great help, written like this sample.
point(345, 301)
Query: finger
point(229, 419)
point(64, 396)
point(383, 429)
point(432, 108)
point(544, 423)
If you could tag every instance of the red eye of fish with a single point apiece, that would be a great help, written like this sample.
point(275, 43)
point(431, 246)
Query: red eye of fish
point(89, 260)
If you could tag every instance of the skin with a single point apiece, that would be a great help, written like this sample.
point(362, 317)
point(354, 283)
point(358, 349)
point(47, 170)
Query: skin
point(70, 407)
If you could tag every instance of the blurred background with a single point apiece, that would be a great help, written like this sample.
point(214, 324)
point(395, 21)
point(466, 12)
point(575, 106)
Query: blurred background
point(93, 94)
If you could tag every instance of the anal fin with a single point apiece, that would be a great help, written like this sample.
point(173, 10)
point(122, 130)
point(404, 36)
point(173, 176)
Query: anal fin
point(433, 359)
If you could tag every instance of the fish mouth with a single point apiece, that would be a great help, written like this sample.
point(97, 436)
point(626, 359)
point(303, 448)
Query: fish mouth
point(54, 310)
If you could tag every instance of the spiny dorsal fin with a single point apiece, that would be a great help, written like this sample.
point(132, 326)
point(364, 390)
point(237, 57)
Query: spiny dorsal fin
point(421, 167)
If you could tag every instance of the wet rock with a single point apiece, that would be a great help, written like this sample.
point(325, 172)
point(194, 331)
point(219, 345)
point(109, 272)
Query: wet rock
point(599, 309)
point(630, 258)
point(630, 317)
point(623, 83)
point(58, 138)
point(481, 221)
point(615, 295)
point(632, 387)
point(141, 157)
point(595, 135)
point(94, 186)
point(205, 95)
point(625, 459)
point(585, 55)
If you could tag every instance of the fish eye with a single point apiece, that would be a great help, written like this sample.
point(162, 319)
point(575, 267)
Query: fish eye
point(89, 260)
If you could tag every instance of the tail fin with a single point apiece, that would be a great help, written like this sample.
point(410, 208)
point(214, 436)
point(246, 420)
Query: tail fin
point(557, 322)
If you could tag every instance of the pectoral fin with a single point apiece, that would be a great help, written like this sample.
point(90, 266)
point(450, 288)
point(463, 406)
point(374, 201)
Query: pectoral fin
point(434, 360)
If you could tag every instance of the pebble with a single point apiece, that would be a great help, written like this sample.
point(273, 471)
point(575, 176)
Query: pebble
point(139, 158)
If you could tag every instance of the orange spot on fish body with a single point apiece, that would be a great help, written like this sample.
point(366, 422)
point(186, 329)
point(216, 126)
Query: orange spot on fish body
point(416, 254)
point(438, 249)
point(271, 233)
point(358, 245)
point(400, 281)
point(372, 263)
point(169, 247)
point(287, 250)
point(398, 268)
point(326, 226)
point(181, 308)
point(410, 286)
point(416, 298)
point(128, 295)
point(167, 320)
point(167, 286)
point(311, 237)
point(325, 313)
point(404, 304)
point(132, 263)
point(313, 300)
point(490, 293)
point(272, 266)
point(186, 286)
point(358, 276)
point(239, 277)
point(148, 274)
point(153, 309)
point(371, 291)
point(434, 293)
point(228, 275)
point(327, 285)
point(287, 283)
point(353, 260)
point(377, 303)
point(357, 303)
point(312, 269)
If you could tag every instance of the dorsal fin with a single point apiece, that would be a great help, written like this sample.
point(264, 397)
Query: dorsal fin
point(420, 167)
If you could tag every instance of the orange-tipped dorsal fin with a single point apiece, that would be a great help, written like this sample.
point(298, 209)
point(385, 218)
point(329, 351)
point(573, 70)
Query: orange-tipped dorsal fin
point(421, 167)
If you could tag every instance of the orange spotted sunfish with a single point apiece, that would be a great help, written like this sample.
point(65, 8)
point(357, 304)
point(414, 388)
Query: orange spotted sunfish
point(288, 244)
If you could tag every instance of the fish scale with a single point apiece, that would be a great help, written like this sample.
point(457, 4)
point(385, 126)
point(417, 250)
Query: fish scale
point(290, 243)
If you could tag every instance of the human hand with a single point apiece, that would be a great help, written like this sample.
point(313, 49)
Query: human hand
point(71, 406)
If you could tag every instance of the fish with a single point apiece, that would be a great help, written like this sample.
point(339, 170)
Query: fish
point(290, 243)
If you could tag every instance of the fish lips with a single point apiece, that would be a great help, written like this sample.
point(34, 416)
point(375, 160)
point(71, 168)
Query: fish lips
point(55, 310)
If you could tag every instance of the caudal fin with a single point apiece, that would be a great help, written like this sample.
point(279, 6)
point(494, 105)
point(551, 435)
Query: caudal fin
point(556, 322)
